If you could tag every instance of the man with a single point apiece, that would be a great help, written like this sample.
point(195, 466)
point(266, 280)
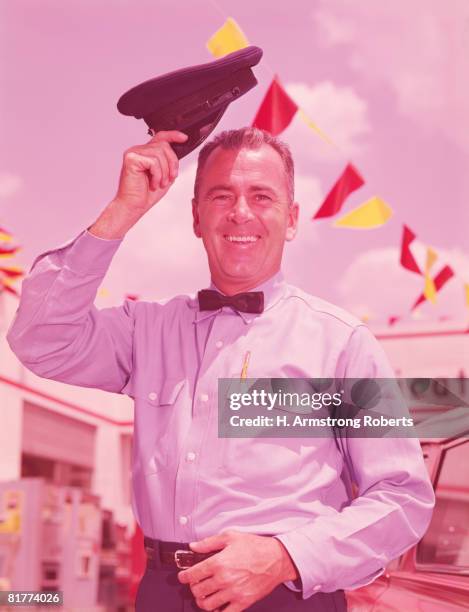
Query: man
point(270, 522)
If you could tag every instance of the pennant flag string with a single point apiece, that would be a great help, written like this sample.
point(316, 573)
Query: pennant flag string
point(310, 123)
point(348, 182)
point(8, 274)
point(278, 108)
point(274, 115)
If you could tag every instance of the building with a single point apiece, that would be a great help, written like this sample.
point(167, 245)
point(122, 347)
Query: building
point(68, 435)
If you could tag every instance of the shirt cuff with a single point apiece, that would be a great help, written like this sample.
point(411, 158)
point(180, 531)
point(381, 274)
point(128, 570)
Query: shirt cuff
point(299, 554)
point(294, 542)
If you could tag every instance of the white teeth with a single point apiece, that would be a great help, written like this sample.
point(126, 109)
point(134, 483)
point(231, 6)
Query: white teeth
point(242, 238)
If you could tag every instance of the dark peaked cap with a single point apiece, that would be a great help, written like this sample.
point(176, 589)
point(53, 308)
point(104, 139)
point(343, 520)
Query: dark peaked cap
point(192, 99)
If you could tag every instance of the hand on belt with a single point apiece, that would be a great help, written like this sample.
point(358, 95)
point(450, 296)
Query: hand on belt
point(173, 554)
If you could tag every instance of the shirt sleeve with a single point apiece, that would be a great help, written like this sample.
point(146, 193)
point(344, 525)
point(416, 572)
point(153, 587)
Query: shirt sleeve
point(349, 548)
point(58, 333)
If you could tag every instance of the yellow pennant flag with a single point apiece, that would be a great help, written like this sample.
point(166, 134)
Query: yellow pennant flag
point(227, 39)
point(6, 281)
point(5, 235)
point(429, 290)
point(466, 291)
point(372, 213)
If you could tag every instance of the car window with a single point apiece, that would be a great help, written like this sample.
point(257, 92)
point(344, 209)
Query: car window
point(446, 543)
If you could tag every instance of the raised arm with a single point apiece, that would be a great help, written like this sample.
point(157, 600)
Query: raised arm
point(57, 332)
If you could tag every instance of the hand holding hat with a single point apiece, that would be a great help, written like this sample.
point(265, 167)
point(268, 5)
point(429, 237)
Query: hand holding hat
point(148, 171)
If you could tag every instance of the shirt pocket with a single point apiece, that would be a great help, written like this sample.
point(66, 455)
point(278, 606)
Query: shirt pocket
point(255, 459)
point(262, 460)
point(263, 457)
point(155, 432)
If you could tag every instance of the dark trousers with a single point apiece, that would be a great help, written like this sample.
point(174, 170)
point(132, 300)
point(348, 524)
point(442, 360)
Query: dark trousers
point(161, 591)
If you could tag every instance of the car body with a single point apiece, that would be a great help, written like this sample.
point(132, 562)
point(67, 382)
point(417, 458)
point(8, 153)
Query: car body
point(433, 576)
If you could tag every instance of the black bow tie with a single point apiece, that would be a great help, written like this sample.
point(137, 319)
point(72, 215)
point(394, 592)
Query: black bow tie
point(250, 301)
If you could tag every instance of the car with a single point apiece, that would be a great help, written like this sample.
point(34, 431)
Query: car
point(433, 576)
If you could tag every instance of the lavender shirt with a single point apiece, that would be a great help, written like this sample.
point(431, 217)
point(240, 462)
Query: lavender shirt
point(187, 482)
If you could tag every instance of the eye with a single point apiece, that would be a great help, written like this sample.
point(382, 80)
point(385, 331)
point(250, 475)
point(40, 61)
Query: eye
point(221, 197)
point(262, 197)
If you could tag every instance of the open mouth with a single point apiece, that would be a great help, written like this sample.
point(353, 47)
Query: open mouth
point(243, 239)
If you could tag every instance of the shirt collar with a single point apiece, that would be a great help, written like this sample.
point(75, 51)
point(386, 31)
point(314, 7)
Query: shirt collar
point(273, 289)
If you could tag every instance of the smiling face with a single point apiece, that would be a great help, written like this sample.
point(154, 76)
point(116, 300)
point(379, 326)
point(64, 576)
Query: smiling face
point(244, 216)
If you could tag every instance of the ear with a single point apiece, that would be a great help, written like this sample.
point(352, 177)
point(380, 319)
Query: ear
point(292, 224)
point(195, 218)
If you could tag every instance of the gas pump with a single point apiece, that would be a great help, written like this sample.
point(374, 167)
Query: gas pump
point(50, 539)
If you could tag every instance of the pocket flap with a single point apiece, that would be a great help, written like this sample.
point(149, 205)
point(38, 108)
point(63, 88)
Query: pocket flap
point(159, 392)
point(169, 390)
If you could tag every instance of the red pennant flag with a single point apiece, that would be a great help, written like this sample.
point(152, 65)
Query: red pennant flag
point(348, 182)
point(440, 280)
point(393, 320)
point(8, 251)
point(407, 259)
point(132, 296)
point(12, 272)
point(4, 287)
point(276, 111)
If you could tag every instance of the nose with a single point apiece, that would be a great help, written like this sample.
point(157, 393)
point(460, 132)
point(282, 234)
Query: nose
point(240, 211)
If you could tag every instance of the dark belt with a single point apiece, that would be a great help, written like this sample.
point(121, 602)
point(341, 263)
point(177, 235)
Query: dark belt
point(176, 555)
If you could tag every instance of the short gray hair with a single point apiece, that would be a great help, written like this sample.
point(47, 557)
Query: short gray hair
point(247, 138)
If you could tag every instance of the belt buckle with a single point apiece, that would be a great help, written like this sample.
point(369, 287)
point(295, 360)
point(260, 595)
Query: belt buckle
point(179, 562)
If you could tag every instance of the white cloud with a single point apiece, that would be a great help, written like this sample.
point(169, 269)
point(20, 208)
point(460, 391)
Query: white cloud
point(160, 256)
point(419, 52)
point(332, 30)
point(308, 194)
point(9, 184)
point(339, 112)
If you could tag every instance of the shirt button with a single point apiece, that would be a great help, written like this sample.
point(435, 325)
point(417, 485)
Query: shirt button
point(152, 395)
point(203, 397)
point(318, 587)
point(219, 344)
point(183, 520)
point(190, 456)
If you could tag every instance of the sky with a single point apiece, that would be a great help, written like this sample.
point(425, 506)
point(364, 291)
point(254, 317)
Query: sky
point(385, 81)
